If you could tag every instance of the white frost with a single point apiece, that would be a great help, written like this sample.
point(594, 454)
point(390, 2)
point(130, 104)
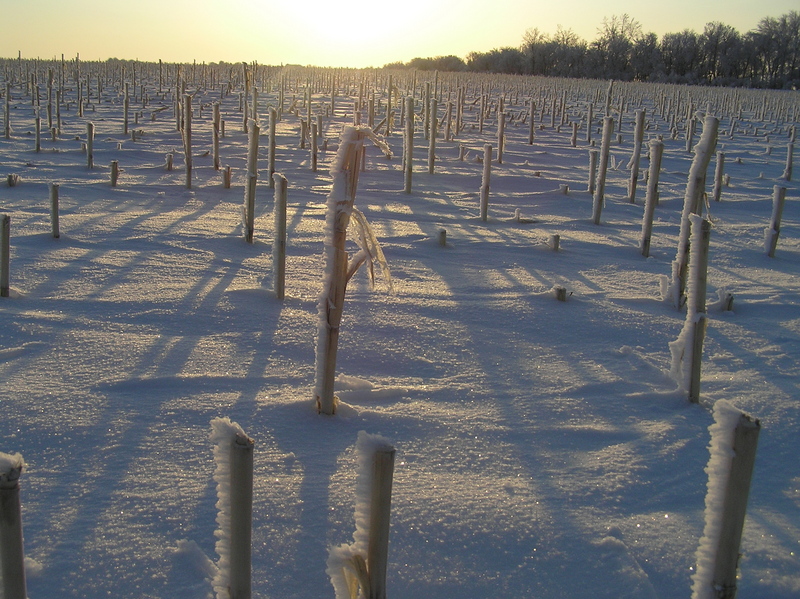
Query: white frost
point(10, 467)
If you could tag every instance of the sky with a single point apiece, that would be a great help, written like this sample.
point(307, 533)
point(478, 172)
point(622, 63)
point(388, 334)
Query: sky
point(356, 33)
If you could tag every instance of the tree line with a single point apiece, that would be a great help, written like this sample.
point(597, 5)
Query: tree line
point(768, 56)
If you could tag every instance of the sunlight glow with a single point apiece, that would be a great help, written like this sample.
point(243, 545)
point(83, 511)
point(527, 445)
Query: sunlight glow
point(358, 33)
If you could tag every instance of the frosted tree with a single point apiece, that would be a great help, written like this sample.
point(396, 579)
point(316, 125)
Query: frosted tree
point(339, 267)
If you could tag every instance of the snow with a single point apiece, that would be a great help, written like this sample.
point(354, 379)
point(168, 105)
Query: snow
point(11, 466)
point(543, 448)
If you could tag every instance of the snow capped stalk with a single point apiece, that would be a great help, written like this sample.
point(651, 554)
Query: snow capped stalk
point(692, 204)
point(482, 113)
point(126, 103)
point(589, 119)
point(215, 139)
point(690, 124)
point(233, 456)
point(279, 244)
point(187, 138)
point(389, 108)
point(434, 120)
point(114, 176)
point(651, 197)
point(409, 144)
point(487, 172)
point(638, 137)
point(734, 439)
point(787, 171)
point(531, 126)
point(344, 171)
point(12, 554)
point(273, 124)
point(599, 191)
point(718, 173)
point(37, 144)
point(252, 177)
point(54, 210)
point(593, 155)
point(501, 136)
point(314, 147)
point(7, 112)
point(687, 349)
point(771, 233)
point(363, 562)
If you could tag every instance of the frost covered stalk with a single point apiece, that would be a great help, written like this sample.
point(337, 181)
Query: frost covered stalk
point(409, 146)
point(687, 349)
point(600, 188)
point(54, 210)
point(314, 147)
point(771, 233)
point(279, 244)
point(338, 270)
point(89, 145)
point(692, 204)
point(126, 103)
point(114, 176)
point(501, 136)
point(233, 458)
point(638, 137)
point(248, 210)
point(532, 126)
point(5, 255)
point(448, 122)
point(7, 112)
point(734, 438)
point(608, 97)
point(363, 562)
point(432, 135)
point(593, 154)
point(651, 197)
point(187, 138)
point(787, 172)
point(215, 138)
point(389, 108)
point(12, 555)
point(37, 143)
point(487, 172)
point(718, 172)
point(273, 123)
point(589, 118)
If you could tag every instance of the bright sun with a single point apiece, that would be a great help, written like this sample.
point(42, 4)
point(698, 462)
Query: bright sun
point(359, 32)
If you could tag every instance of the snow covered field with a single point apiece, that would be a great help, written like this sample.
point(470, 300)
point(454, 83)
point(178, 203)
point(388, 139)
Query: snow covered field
point(543, 449)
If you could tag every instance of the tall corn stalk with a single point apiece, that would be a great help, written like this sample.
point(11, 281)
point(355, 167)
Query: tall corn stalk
point(339, 268)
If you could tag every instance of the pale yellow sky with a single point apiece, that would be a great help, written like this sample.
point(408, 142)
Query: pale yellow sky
point(356, 33)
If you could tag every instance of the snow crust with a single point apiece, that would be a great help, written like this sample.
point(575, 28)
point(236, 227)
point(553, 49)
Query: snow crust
point(529, 427)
